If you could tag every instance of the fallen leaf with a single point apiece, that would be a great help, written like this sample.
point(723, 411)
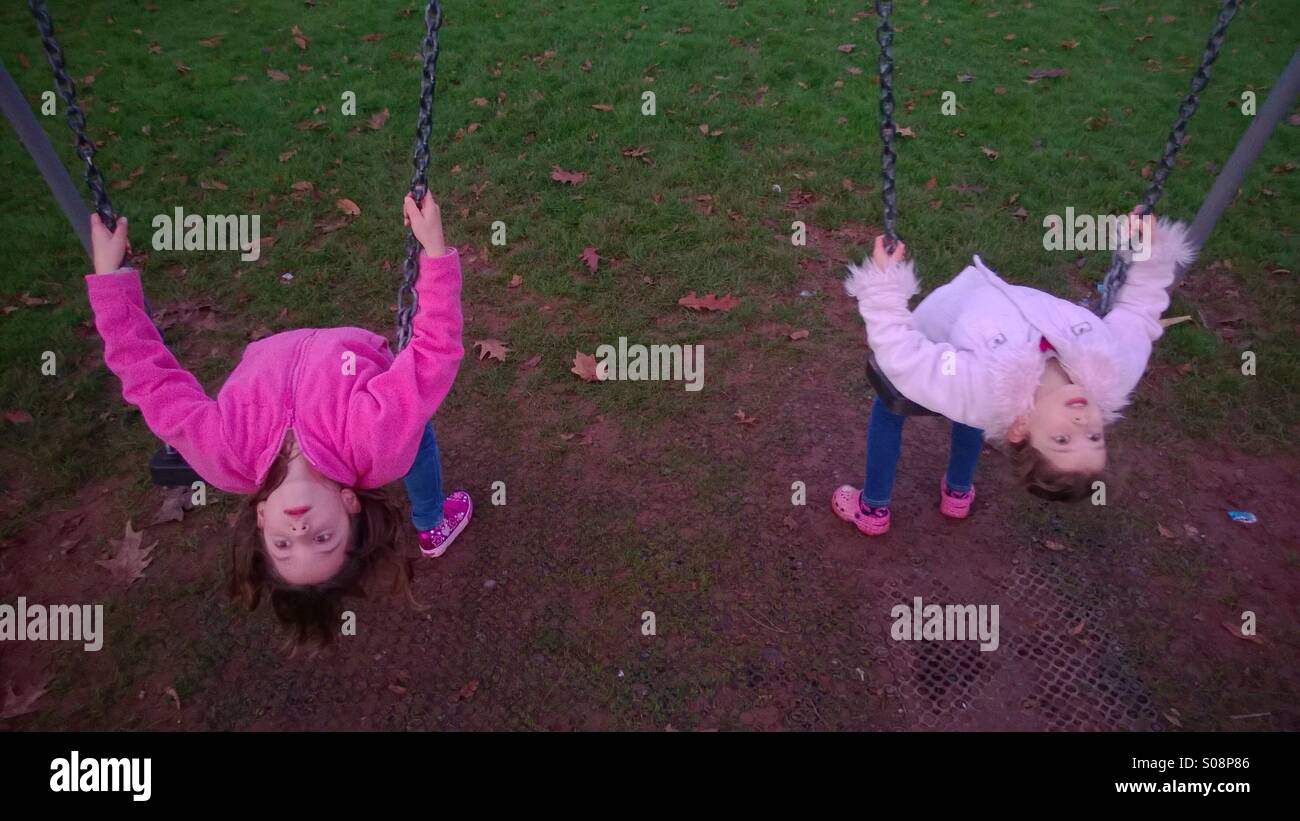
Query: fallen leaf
point(479, 101)
point(574, 178)
point(931, 183)
point(466, 692)
point(212, 185)
point(377, 121)
point(213, 41)
point(278, 76)
point(18, 417)
point(181, 68)
point(260, 332)
point(1069, 44)
point(130, 559)
point(300, 39)
point(798, 335)
point(1164, 531)
point(1173, 320)
point(989, 152)
point(13, 705)
point(906, 131)
point(1051, 545)
point(171, 693)
point(515, 281)
point(586, 65)
point(285, 156)
point(965, 78)
point(1236, 631)
point(638, 152)
point(602, 106)
point(347, 206)
point(708, 302)
point(173, 506)
point(590, 258)
point(584, 365)
point(373, 37)
point(491, 349)
point(743, 418)
point(845, 48)
point(1038, 74)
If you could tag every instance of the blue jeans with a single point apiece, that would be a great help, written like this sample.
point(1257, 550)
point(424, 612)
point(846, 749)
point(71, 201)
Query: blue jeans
point(424, 484)
point(885, 442)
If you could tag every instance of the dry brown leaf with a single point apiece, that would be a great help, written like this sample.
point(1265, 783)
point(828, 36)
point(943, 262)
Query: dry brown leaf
point(989, 152)
point(12, 704)
point(743, 418)
point(590, 258)
point(18, 417)
point(515, 281)
point(845, 48)
point(602, 106)
point(349, 207)
point(213, 41)
point(798, 335)
point(585, 366)
point(466, 692)
point(708, 302)
point(1236, 631)
point(492, 349)
point(285, 156)
point(129, 559)
point(275, 74)
point(530, 363)
point(574, 178)
point(173, 506)
point(300, 38)
point(212, 185)
point(377, 121)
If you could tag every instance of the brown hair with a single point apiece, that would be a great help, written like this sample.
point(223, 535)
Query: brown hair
point(312, 613)
point(1046, 481)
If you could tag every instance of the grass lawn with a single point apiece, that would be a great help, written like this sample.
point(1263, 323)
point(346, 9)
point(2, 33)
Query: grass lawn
point(763, 116)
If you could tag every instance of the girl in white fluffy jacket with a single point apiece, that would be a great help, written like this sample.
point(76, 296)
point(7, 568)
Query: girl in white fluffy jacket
point(1008, 362)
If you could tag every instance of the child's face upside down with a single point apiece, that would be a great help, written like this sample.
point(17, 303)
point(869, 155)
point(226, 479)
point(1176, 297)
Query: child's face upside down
point(1066, 428)
point(306, 525)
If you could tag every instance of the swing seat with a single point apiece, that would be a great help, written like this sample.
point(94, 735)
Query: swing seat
point(168, 469)
point(889, 395)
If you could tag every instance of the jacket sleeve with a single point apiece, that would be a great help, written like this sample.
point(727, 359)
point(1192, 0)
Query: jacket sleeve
point(935, 375)
point(173, 403)
point(1134, 318)
point(391, 411)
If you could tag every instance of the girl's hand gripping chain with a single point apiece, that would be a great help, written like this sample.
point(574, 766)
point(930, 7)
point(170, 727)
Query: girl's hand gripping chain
point(108, 248)
point(425, 221)
point(881, 258)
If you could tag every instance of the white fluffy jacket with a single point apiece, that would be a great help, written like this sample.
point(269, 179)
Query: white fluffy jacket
point(971, 352)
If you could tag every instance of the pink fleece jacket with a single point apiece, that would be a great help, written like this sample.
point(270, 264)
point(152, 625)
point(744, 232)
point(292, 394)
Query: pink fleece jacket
point(356, 410)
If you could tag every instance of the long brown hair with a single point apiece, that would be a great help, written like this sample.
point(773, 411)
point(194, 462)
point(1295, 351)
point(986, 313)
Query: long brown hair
point(312, 613)
point(1046, 481)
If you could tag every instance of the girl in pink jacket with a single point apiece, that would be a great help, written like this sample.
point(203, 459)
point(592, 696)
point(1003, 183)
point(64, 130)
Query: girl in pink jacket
point(309, 424)
point(1008, 362)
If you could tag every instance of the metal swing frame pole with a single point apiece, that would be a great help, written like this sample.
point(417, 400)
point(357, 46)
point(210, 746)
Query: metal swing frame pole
point(1275, 106)
point(42, 152)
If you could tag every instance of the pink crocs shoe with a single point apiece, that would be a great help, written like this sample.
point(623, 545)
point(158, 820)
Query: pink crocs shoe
point(955, 505)
point(846, 502)
point(456, 511)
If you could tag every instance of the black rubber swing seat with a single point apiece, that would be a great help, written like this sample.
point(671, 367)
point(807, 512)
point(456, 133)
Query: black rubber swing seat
point(168, 468)
point(889, 395)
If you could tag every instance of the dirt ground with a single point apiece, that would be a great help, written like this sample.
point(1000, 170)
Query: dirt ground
point(768, 614)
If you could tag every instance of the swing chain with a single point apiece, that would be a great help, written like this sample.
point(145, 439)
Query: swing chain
point(76, 118)
point(406, 296)
point(885, 38)
point(1118, 272)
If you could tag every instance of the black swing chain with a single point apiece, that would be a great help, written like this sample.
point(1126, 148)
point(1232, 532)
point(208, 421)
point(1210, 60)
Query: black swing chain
point(1118, 272)
point(76, 118)
point(406, 297)
point(885, 38)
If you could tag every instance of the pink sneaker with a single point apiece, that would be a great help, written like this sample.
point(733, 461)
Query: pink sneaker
point(456, 511)
point(955, 505)
point(846, 502)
